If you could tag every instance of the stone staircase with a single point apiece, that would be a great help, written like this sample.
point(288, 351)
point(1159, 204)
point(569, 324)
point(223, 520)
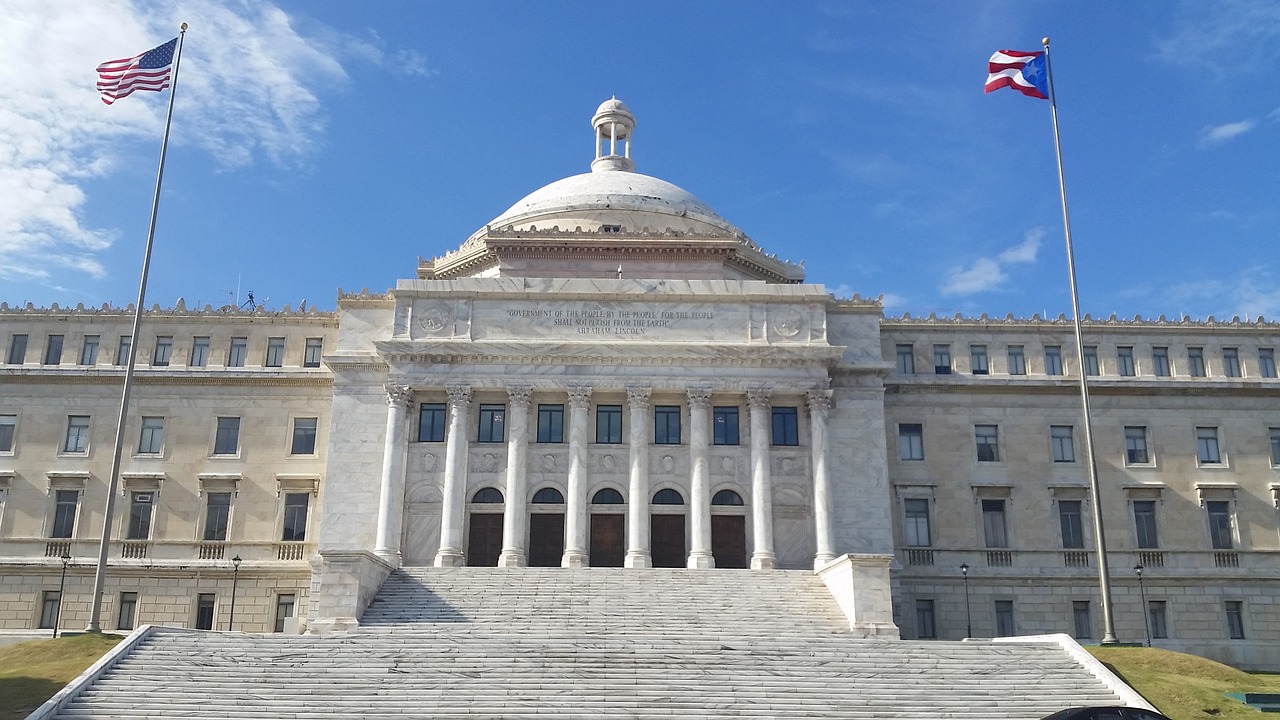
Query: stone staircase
point(608, 643)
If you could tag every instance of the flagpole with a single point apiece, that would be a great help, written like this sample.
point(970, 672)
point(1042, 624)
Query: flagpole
point(1095, 494)
point(100, 575)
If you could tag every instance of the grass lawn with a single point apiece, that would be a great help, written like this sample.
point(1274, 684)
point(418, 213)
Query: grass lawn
point(1185, 687)
point(31, 672)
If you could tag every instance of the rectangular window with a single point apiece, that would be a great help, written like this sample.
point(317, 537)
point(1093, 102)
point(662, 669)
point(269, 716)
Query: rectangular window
point(53, 350)
point(987, 438)
point(994, 528)
point(151, 439)
point(9, 428)
point(1195, 361)
point(1072, 522)
point(1160, 362)
point(1135, 445)
point(122, 352)
point(978, 361)
point(1144, 524)
point(1017, 360)
point(304, 436)
point(18, 350)
point(550, 423)
point(724, 425)
point(1267, 362)
point(907, 359)
point(236, 353)
point(199, 351)
point(916, 522)
point(285, 608)
point(1005, 626)
point(431, 422)
point(1235, 619)
point(226, 441)
point(275, 352)
point(942, 359)
point(217, 516)
point(1274, 433)
point(786, 428)
point(77, 434)
point(608, 424)
point(313, 352)
point(128, 611)
point(164, 349)
point(1158, 614)
point(1231, 362)
point(1062, 440)
point(140, 505)
point(89, 351)
point(1207, 446)
point(295, 517)
point(204, 611)
point(1091, 360)
point(65, 504)
point(1219, 524)
point(666, 425)
point(50, 604)
point(925, 627)
point(1052, 359)
point(1081, 620)
point(910, 441)
point(493, 421)
point(1124, 362)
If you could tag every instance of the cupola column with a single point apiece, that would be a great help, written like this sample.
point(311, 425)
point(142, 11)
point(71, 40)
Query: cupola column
point(700, 479)
point(762, 557)
point(575, 531)
point(638, 554)
point(455, 477)
point(819, 405)
point(391, 494)
point(515, 522)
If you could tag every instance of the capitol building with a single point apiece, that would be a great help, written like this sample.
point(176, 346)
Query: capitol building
point(611, 374)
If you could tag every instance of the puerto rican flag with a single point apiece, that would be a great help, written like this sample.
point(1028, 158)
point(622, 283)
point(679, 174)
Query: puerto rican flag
point(1021, 71)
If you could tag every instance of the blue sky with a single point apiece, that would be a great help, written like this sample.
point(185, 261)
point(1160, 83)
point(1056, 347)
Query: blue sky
point(325, 145)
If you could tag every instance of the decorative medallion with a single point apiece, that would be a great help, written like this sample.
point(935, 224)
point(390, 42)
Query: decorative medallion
point(434, 318)
point(788, 322)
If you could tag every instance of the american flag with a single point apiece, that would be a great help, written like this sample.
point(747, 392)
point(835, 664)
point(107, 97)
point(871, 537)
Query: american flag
point(149, 71)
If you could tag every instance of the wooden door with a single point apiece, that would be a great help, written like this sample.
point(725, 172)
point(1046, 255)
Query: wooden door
point(546, 539)
point(729, 540)
point(484, 541)
point(667, 536)
point(608, 541)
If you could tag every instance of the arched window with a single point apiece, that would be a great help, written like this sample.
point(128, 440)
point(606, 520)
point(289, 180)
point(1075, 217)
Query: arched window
point(487, 495)
point(667, 496)
point(607, 496)
point(548, 496)
point(726, 497)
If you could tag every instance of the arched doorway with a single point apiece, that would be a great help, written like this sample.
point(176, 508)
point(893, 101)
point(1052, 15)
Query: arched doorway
point(666, 528)
point(728, 530)
point(484, 538)
point(546, 528)
point(608, 537)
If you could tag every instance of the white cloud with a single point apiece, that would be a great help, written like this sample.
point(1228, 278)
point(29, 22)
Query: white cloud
point(1025, 251)
point(1212, 135)
point(988, 273)
point(1210, 35)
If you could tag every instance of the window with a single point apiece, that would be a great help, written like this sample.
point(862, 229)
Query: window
point(724, 426)
point(122, 352)
point(199, 351)
point(1004, 619)
point(89, 351)
point(942, 359)
point(1275, 441)
point(295, 517)
point(18, 350)
point(151, 439)
point(226, 441)
point(666, 425)
point(722, 498)
point(493, 419)
point(1144, 524)
point(1062, 442)
point(925, 629)
point(978, 362)
point(1052, 359)
point(1159, 619)
point(1081, 620)
point(1017, 360)
point(910, 441)
point(77, 434)
point(204, 611)
point(164, 349)
point(988, 441)
point(1267, 362)
point(1160, 362)
point(1219, 524)
point(1124, 361)
point(609, 424)
point(1235, 619)
point(1091, 360)
point(140, 504)
point(907, 359)
point(487, 496)
point(53, 350)
point(1072, 522)
point(1207, 446)
point(550, 423)
point(994, 527)
point(1231, 362)
point(235, 354)
point(785, 426)
point(285, 608)
point(667, 496)
point(548, 496)
point(1135, 445)
point(65, 504)
point(50, 604)
point(431, 422)
point(128, 611)
point(313, 352)
point(916, 522)
point(9, 427)
point(1195, 361)
point(304, 436)
point(217, 516)
point(275, 352)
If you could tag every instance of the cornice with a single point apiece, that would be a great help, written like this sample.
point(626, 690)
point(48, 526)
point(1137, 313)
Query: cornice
point(659, 354)
point(180, 311)
point(1200, 387)
point(1062, 322)
point(364, 298)
point(113, 376)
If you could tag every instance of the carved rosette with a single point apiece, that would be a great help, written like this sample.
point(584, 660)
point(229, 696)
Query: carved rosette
point(459, 395)
point(698, 398)
point(638, 397)
point(580, 397)
point(759, 398)
point(400, 396)
point(819, 401)
point(519, 396)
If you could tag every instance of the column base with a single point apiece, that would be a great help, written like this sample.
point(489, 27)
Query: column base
point(512, 558)
point(701, 560)
point(392, 557)
point(574, 559)
point(764, 561)
point(638, 559)
point(450, 558)
point(822, 560)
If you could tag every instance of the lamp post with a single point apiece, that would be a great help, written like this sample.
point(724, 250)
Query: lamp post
point(1146, 613)
point(235, 581)
point(968, 616)
point(62, 587)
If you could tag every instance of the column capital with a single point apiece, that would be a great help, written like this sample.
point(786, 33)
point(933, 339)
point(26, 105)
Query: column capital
point(759, 397)
point(519, 396)
point(819, 401)
point(638, 397)
point(459, 394)
point(580, 397)
point(399, 395)
point(698, 397)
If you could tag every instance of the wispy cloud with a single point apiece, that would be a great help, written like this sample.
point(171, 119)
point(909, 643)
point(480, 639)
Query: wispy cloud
point(1253, 293)
point(1212, 135)
point(1212, 35)
point(989, 273)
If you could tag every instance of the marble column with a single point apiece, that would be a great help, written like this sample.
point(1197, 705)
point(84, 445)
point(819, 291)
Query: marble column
point(575, 519)
point(700, 479)
point(391, 493)
point(455, 478)
point(819, 403)
point(515, 519)
point(638, 554)
point(762, 557)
